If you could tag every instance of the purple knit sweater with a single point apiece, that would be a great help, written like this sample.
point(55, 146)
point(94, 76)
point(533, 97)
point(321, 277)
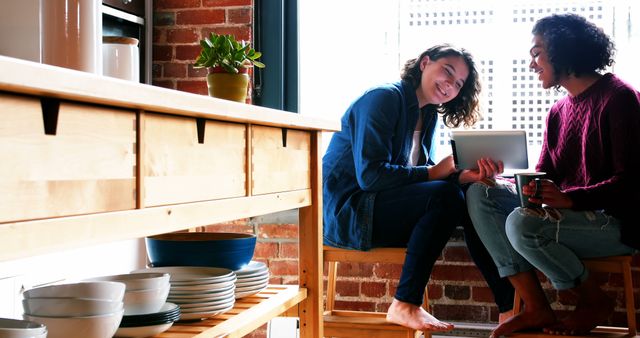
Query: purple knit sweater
point(591, 148)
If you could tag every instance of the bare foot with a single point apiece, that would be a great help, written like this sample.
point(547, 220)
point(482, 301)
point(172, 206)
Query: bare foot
point(503, 316)
point(415, 317)
point(583, 319)
point(523, 321)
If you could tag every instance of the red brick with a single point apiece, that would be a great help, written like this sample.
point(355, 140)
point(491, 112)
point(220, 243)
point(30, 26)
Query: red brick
point(392, 271)
point(373, 289)
point(175, 70)
point(482, 294)
point(164, 19)
point(457, 292)
point(196, 72)
point(355, 269)
point(224, 3)
point(200, 17)
point(239, 16)
point(456, 254)
point(187, 35)
point(187, 52)
point(189, 86)
point(238, 226)
point(159, 36)
point(288, 250)
point(266, 250)
point(284, 267)
point(383, 307)
point(168, 4)
point(289, 231)
point(347, 288)
point(239, 32)
point(456, 273)
point(162, 53)
point(435, 291)
point(164, 83)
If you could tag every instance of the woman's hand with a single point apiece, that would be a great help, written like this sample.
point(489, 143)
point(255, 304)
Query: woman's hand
point(443, 169)
point(487, 168)
point(549, 194)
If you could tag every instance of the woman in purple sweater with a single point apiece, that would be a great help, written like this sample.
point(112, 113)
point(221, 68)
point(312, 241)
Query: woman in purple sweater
point(590, 158)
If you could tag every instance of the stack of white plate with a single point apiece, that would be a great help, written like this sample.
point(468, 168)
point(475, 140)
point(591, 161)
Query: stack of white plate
point(201, 292)
point(251, 279)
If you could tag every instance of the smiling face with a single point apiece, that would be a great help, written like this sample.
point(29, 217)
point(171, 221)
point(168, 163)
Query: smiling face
point(441, 79)
point(540, 63)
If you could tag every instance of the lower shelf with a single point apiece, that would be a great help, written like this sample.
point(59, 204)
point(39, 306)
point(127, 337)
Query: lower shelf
point(248, 314)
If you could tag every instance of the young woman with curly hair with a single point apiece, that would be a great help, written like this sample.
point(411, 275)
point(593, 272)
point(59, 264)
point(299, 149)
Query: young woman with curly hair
point(590, 193)
point(383, 189)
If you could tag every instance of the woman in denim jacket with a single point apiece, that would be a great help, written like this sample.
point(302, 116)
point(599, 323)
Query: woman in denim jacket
point(382, 189)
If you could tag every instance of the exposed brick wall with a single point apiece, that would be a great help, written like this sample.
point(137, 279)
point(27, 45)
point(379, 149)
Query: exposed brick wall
point(457, 290)
point(178, 27)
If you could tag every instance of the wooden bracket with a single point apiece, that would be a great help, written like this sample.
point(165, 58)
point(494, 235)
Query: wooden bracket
point(284, 137)
point(200, 124)
point(50, 112)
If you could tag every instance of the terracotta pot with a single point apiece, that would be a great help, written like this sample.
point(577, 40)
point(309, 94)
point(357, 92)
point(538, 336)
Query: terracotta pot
point(228, 86)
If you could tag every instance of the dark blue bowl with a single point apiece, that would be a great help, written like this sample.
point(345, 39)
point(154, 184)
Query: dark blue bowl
point(213, 249)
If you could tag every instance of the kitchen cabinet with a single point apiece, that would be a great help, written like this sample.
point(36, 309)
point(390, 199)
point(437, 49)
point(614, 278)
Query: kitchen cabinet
point(94, 159)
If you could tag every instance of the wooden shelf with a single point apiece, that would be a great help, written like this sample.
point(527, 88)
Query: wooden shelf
point(248, 314)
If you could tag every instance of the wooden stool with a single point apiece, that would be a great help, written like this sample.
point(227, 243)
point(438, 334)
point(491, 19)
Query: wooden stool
point(345, 323)
point(613, 264)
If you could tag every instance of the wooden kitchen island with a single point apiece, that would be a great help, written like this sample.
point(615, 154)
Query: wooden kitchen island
point(90, 160)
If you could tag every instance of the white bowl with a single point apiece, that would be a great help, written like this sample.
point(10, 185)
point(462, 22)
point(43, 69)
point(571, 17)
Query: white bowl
point(138, 281)
point(145, 301)
point(69, 307)
point(93, 290)
point(15, 328)
point(103, 326)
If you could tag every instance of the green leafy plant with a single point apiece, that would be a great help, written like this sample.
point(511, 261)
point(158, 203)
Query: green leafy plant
point(225, 52)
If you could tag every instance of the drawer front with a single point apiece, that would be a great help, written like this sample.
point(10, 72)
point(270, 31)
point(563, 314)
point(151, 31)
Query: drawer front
point(135, 7)
point(88, 166)
point(179, 169)
point(278, 167)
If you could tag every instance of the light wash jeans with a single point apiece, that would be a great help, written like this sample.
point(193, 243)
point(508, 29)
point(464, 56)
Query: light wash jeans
point(551, 240)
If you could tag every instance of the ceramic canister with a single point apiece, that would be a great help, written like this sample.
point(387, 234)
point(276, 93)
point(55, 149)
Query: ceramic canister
point(121, 58)
point(71, 34)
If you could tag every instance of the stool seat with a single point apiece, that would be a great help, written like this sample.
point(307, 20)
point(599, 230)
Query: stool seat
point(612, 264)
point(346, 323)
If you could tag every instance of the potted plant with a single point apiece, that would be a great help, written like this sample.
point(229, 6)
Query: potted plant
point(227, 61)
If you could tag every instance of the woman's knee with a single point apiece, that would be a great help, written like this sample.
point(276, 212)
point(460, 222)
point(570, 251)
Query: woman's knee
point(523, 228)
point(450, 194)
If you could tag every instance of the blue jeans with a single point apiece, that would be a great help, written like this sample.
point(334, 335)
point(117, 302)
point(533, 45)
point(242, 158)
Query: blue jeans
point(551, 240)
point(422, 217)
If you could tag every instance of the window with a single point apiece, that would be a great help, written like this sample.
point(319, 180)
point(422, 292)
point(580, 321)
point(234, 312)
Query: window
point(340, 58)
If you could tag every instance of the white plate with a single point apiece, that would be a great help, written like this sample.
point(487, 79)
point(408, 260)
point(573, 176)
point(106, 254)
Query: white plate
point(142, 331)
point(190, 273)
point(200, 298)
point(252, 287)
point(201, 315)
point(209, 308)
point(201, 287)
point(226, 300)
point(196, 279)
point(196, 295)
point(252, 282)
point(252, 278)
point(248, 293)
point(252, 267)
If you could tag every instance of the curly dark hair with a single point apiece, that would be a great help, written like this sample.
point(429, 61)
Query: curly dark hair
point(574, 45)
point(464, 108)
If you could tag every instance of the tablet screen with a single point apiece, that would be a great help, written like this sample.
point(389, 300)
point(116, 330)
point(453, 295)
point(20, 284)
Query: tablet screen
point(508, 146)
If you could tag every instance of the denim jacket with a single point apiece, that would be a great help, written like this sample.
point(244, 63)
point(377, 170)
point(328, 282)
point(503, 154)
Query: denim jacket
point(368, 155)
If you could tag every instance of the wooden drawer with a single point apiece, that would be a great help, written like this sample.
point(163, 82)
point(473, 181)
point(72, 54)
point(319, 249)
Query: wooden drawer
point(87, 166)
point(179, 169)
point(278, 167)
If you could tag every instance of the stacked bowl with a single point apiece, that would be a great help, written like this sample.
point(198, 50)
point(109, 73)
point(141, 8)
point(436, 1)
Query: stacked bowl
point(76, 310)
point(200, 292)
point(251, 279)
point(146, 311)
point(14, 328)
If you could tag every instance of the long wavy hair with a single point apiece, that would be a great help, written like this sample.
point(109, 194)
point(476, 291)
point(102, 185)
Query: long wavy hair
point(464, 108)
point(574, 45)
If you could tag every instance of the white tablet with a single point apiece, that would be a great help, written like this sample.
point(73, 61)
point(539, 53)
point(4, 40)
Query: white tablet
point(508, 146)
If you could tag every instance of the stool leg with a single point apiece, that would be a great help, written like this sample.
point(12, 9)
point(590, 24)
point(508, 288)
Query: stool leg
point(629, 299)
point(332, 275)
